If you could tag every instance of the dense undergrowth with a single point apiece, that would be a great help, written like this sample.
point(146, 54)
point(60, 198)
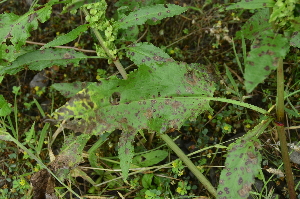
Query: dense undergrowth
point(55, 123)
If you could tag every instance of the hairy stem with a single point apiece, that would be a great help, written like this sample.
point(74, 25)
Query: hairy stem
point(106, 50)
point(189, 164)
point(281, 132)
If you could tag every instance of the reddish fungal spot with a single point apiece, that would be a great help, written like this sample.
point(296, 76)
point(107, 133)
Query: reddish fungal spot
point(6, 50)
point(267, 68)
point(279, 123)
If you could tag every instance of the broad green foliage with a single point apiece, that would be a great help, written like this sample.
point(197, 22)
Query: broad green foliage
point(70, 155)
point(70, 89)
point(241, 166)
point(40, 59)
point(135, 4)
point(63, 39)
point(252, 4)
point(268, 46)
point(5, 108)
point(150, 158)
point(19, 27)
point(256, 25)
point(148, 54)
point(126, 151)
point(156, 98)
point(153, 13)
point(263, 57)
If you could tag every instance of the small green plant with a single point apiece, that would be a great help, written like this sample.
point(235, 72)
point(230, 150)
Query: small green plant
point(183, 187)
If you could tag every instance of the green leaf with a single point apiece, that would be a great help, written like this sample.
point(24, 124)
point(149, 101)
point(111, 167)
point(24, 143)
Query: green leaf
point(147, 180)
point(153, 13)
point(263, 58)
point(66, 38)
point(9, 54)
point(40, 59)
point(92, 152)
point(256, 25)
point(148, 54)
point(75, 5)
point(138, 3)
point(241, 166)
point(126, 151)
point(70, 155)
point(253, 4)
point(70, 89)
point(295, 40)
point(19, 27)
point(150, 158)
point(157, 97)
point(5, 108)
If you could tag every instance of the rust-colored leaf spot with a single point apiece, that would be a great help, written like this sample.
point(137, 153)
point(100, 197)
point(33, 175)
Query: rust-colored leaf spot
point(267, 68)
point(244, 192)
point(251, 27)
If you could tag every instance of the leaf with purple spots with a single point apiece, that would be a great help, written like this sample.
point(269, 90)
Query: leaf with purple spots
point(40, 59)
point(256, 25)
point(263, 58)
point(19, 27)
point(242, 165)
point(252, 4)
point(145, 53)
point(154, 13)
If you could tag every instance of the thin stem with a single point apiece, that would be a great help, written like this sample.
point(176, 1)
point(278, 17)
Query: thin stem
point(106, 50)
point(189, 164)
point(281, 132)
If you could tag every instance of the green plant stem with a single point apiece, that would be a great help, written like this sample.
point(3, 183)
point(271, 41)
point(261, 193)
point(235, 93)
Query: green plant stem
point(281, 132)
point(189, 164)
point(106, 50)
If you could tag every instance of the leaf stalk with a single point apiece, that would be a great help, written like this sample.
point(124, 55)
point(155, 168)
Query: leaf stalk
point(281, 132)
point(189, 164)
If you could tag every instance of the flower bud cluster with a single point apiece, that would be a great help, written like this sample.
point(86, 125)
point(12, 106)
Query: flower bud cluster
point(97, 20)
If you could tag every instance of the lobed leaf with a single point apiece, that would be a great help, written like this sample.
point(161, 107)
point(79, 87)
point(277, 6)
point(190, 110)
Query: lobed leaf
point(157, 97)
point(40, 59)
point(5, 107)
point(70, 155)
point(66, 38)
point(241, 166)
point(19, 27)
point(173, 96)
point(263, 58)
point(153, 13)
point(253, 4)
